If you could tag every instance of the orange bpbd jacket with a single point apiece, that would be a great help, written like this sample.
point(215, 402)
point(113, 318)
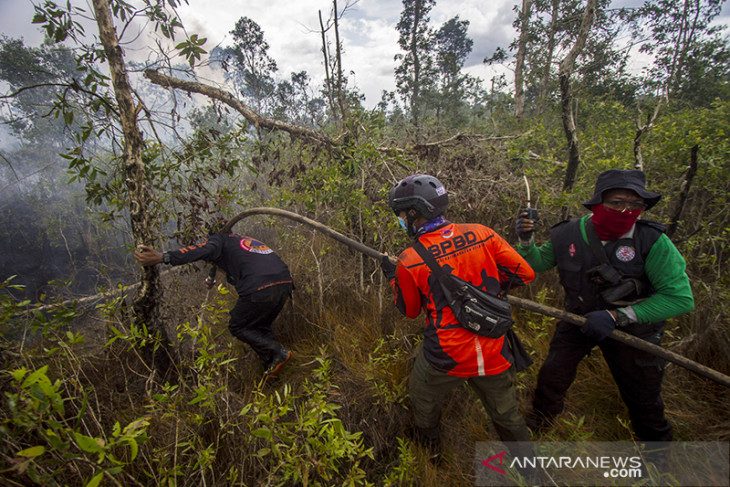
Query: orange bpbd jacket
point(477, 254)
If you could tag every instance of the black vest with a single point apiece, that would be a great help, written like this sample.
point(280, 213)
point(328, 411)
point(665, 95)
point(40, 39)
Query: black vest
point(575, 259)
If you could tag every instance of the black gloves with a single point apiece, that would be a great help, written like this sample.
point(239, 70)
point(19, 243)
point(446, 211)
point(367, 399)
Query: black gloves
point(598, 325)
point(388, 267)
point(525, 223)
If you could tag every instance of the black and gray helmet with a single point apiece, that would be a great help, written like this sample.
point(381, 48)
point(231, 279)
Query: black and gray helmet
point(420, 192)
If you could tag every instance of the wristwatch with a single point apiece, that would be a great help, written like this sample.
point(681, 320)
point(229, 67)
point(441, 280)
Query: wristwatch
point(166, 258)
point(622, 319)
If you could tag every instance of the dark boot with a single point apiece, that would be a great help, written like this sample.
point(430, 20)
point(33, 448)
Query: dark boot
point(537, 422)
point(428, 438)
point(277, 363)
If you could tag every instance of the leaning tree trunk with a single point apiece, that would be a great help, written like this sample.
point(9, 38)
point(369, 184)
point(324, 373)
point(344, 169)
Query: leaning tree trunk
point(683, 192)
point(567, 67)
point(146, 304)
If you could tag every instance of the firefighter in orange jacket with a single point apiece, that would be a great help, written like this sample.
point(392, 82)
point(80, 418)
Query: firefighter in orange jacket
point(449, 354)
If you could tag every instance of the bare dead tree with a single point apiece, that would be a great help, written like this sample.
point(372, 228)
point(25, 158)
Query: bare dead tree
point(567, 66)
point(520, 59)
point(328, 79)
point(641, 130)
point(338, 55)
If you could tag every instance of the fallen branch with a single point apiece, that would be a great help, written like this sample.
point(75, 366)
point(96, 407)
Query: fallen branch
point(89, 300)
point(229, 99)
point(454, 139)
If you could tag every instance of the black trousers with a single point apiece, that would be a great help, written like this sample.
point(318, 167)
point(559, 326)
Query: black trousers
point(637, 374)
point(252, 320)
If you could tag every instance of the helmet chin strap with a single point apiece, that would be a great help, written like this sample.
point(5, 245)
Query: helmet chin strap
point(411, 216)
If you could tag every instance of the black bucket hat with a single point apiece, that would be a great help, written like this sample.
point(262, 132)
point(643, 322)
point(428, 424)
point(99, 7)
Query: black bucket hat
point(632, 179)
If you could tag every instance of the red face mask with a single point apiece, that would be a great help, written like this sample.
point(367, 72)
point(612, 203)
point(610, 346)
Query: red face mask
point(611, 224)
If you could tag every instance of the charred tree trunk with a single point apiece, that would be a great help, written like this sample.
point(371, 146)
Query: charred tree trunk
point(146, 305)
point(571, 132)
point(567, 67)
point(683, 192)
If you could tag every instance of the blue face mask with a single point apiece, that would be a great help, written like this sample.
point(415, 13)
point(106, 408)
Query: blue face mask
point(402, 223)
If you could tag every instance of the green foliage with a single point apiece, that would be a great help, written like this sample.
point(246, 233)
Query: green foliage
point(36, 414)
point(215, 426)
point(380, 372)
point(191, 48)
point(691, 53)
point(252, 67)
point(415, 73)
point(303, 439)
point(404, 472)
point(46, 419)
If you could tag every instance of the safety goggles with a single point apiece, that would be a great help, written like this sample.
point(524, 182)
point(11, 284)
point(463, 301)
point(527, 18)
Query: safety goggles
point(623, 205)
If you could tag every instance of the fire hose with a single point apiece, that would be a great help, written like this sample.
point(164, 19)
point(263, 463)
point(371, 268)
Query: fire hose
point(526, 304)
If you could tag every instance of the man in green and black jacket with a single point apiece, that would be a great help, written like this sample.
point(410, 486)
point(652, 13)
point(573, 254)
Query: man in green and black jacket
point(618, 272)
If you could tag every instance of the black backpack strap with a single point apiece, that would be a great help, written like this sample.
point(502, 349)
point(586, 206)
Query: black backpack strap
point(428, 258)
point(436, 269)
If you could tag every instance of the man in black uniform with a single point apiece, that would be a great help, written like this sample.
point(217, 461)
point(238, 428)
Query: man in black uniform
point(261, 278)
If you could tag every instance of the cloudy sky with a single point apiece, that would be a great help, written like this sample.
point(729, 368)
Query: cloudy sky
point(291, 29)
point(368, 30)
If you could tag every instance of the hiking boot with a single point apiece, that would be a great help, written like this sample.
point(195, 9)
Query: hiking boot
point(430, 443)
point(537, 422)
point(277, 363)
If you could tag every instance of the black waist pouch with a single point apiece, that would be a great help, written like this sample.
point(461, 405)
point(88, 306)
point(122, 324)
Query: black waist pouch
point(476, 310)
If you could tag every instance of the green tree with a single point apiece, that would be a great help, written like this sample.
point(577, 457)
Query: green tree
point(35, 77)
point(692, 59)
point(294, 102)
point(548, 30)
point(253, 68)
point(123, 117)
point(452, 48)
point(415, 74)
